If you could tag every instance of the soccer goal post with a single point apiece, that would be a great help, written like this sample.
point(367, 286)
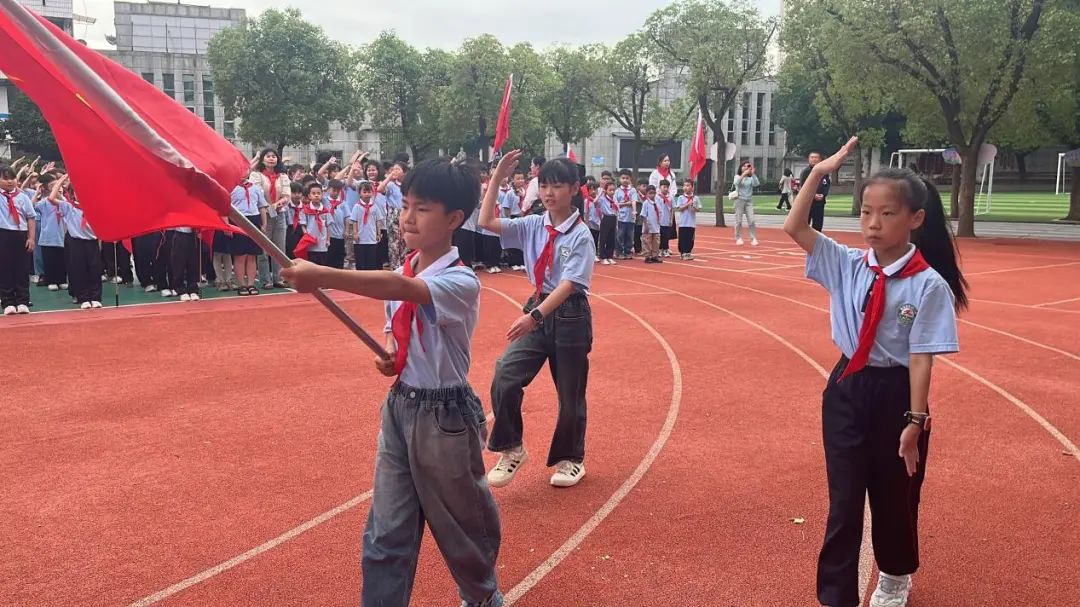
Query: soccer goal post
point(1060, 182)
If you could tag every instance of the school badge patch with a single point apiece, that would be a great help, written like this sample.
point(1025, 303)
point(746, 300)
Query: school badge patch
point(564, 254)
point(905, 315)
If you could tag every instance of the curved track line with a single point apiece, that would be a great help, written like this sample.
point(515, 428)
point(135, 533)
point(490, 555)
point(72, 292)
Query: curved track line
point(866, 556)
point(628, 485)
point(1024, 407)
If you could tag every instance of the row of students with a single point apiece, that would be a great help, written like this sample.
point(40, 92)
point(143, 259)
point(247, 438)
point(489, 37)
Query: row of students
point(611, 214)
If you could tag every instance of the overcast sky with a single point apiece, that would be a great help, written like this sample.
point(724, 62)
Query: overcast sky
point(439, 23)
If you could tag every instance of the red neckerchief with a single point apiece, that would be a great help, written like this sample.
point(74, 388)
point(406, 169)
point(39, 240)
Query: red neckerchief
point(247, 194)
point(547, 256)
point(298, 209)
point(12, 210)
point(612, 205)
point(272, 178)
point(667, 201)
point(665, 173)
point(334, 204)
point(367, 210)
point(317, 213)
point(875, 309)
point(656, 209)
point(401, 322)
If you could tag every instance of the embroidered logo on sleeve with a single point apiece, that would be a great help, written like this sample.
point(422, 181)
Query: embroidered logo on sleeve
point(905, 314)
point(564, 254)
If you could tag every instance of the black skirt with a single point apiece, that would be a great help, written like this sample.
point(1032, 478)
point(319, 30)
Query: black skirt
point(242, 245)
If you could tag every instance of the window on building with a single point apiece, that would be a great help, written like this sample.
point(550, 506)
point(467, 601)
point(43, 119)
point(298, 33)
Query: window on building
point(189, 88)
point(731, 125)
point(772, 133)
point(759, 115)
point(745, 131)
point(229, 129)
point(148, 76)
point(208, 115)
point(208, 92)
point(168, 84)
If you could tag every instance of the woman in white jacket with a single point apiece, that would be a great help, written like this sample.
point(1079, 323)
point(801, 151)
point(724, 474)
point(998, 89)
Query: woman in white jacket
point(269, 173)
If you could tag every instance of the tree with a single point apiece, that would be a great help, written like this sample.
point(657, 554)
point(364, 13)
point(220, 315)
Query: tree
point(27, 127)
point(623, 80)
point(394, 76)
point(795, 110)
point(564, 106)
point(969, 57)
point(847, 99)
point(532, 81)
point(470, 104)
point(284, 79)
point(723, 44)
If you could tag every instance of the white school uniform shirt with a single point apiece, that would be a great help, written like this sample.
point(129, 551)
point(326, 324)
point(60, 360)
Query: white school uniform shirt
point(440, 356)
point(532, 193)
point(470, 222)
point(688, 217)
point(249, 205)
point(24, 211)
point(51, 221)
point(650, 214)
point(311, 226)
point(592, 213)
point(667, 206)
point(919, 317)
point(367, 232)
point(393, 196)
point(291, 214)
point(607, 205)
point(627, 214)
point(338, 217)
point(572, 258)
point(74, 222)
point(508, 203)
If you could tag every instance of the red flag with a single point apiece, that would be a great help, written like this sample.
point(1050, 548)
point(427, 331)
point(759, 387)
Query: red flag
point(305, 243)
point(697, 149)
point(502, 127)
point(570, 154)
point(141, 162)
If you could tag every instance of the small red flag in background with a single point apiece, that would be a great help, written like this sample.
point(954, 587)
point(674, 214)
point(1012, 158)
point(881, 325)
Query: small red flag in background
point(570, 154)
point(697, 149)
point(139, 160)
point(502, 127)
point(305, 243)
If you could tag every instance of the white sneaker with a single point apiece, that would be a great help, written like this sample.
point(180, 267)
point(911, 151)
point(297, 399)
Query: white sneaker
point(185, 297)
point(195, 297)
point(567, 474)
point(11, 311)
point(95, 304)
point(85, 305)
point(753, 242)
point(168, 293)
point(54, 287)
point(595, 260)
point(23, 309)
point(509, 463)
point(492, 271)
point(613, 262)
point(738, 242)
point(34, 278)
point(117, 280)
point(150, 289)
point(64, 285)
point(892, 591)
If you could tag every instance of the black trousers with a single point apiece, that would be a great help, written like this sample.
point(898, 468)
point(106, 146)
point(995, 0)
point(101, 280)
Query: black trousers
point(163, 273)
point(686, 240)
point(492, 250)
point(595, 239)
point(563, 341)
point(465, 241)
point(84, 269)
point(606, 247)
point(15, 263)
point(335, 254)
point(55, 265)
point(292, 238)
point(185, 263)
point(637, 237)
point(665, 237)
point(515, 257)
point(367, 256)
point(206, 258)
point(861, 420)
point(117, 261)
point(817, 215)
point(785, 200)
point(146, 255)
point(319, 258)
point(382, 250)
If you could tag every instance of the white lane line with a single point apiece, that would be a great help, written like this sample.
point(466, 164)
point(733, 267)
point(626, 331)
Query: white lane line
point(1054, 303)
point(1016, 305)
point(1051, 265)
point(254, 552)
point(633, 294)
point(866, 551)
point(628, 485)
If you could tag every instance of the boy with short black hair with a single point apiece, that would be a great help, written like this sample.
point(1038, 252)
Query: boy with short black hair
point(365, 225)
point(556, 326)
point(667, 216)
point(650, 232)
point(335, 202)
point(316, 221)
point(687, 205)
point(429, 466)
point(626, 198)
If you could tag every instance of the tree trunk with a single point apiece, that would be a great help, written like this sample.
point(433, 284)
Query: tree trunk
point(856, 194)
point(954, 193)
point(1074, 196)
point(280, 151)
point(969, 169)
point(1021, 166)
point(637, 157)
point(720, 189)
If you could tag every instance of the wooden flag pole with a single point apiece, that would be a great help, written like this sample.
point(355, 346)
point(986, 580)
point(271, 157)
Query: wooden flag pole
point(239, 220)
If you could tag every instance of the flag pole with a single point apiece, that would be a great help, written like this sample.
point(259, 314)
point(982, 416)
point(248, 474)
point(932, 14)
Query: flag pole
point(239, 220)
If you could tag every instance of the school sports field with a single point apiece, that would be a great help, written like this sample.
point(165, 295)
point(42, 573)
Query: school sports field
point(1004, 206)
point(221, 452)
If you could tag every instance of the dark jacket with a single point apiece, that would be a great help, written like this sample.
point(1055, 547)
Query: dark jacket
point(823, 189)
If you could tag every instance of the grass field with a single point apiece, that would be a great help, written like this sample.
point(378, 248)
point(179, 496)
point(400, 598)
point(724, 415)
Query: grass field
point(1038, 207)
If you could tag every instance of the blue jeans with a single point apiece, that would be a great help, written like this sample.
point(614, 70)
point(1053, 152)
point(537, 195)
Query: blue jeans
point(625, 237)
point(429, 468)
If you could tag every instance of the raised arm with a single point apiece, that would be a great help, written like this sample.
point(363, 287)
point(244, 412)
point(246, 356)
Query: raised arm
point(57, 188)
point(489, 218)
point(796, 225)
